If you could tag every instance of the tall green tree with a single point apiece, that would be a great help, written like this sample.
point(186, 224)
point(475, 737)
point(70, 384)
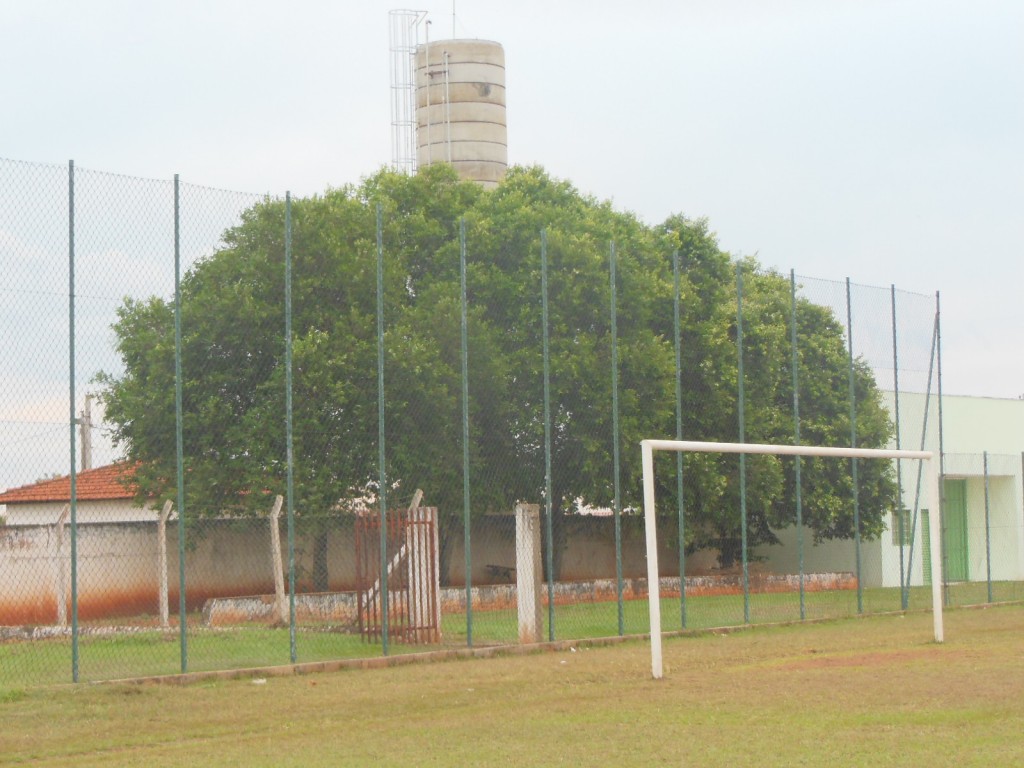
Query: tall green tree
point(234, 375)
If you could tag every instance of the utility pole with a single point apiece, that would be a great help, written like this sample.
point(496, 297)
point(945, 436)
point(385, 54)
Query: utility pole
point(85, 430)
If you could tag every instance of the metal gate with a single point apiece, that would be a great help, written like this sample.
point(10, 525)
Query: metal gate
point(407, 584)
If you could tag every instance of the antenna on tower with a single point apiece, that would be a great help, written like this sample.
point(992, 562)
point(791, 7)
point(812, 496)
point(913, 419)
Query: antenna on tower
point(404, 37)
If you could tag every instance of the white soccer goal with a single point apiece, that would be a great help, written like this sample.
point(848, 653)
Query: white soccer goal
point(648, 447)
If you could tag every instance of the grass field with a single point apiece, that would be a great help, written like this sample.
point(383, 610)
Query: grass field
point(871, 691)
point(148, 652)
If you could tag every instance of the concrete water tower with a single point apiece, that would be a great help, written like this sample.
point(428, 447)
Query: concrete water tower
point(460, 108)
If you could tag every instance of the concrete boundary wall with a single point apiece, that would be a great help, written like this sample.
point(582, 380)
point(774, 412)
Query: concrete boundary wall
point(342, 607)
point(118, 565)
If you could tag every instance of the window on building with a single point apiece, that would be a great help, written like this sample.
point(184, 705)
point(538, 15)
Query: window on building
point(902, 537)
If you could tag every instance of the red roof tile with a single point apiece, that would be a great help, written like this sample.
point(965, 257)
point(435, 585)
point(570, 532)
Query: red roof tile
point(114, 481)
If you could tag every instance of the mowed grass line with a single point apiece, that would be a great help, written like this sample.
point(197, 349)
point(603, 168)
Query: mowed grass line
point(872, 691)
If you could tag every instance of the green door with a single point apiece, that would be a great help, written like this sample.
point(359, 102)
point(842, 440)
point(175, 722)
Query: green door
point(954, 535)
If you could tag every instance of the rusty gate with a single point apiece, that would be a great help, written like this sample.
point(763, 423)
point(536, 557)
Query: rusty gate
point(405, 580)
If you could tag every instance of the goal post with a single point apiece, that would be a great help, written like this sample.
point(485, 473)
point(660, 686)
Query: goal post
point(648, 447)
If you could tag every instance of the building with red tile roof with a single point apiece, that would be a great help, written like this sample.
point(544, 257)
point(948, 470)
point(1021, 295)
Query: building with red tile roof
point(104, 494)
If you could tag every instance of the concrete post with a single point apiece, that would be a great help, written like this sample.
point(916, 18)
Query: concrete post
point(280, 598)
point(528, 572)
point(61, 576)
point(161, 544)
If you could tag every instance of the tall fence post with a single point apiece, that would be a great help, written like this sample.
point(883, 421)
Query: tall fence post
point(941, 514)
point(293, 650)
point(796, 439)
point(381, 455)
point(853, 444)
point(73, 497)
point(678, 339)
point(743, 439)
point(988, 529)
point(616, 475)
point(900, 522)
point(920, 468)
point(179, 433)
point(466, 515)
point(549, 552)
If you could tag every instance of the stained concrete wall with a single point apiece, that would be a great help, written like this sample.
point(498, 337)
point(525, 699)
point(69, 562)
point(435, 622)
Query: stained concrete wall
point(342, 608)
point(118, 562)
point(117, 568)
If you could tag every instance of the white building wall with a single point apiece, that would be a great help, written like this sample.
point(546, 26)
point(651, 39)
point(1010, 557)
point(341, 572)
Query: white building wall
point(107, 511)
point(971, 427)
point(1003, 528)
point(976, 424)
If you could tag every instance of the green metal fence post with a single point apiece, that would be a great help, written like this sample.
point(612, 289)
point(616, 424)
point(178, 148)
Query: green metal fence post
point(941, 520)
point(988, 529)
point(73, 475)
point(853, 444)
point(617, 506)
point(465, 438)
point(179, 433)
point(289, 423)
point(382, 479)
point(900, 522)
point(547, 434)
point(743, 439)
point(924, 437)
point(796, 439)
point(678, 339)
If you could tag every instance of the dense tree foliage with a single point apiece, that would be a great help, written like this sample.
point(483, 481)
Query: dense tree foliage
point(233, 352)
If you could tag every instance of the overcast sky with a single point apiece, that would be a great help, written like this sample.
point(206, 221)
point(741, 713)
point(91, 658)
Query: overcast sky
point(880, 140)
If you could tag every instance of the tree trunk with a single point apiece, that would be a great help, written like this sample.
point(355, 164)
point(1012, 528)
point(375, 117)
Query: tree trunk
point(730, 551)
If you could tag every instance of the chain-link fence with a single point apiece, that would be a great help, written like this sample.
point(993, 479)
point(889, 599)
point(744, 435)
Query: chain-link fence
point(406, 414)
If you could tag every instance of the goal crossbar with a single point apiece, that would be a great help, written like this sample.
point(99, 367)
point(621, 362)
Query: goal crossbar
point(648, 447)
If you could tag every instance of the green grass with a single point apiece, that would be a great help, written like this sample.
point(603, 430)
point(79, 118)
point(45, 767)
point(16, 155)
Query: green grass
point(853, 692)
point(153, 652)
point(584, 620)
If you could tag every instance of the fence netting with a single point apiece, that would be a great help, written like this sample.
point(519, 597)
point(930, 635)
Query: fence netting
point(244, 430)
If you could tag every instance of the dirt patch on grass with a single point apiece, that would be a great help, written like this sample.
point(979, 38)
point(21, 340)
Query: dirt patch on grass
point(873, 659)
